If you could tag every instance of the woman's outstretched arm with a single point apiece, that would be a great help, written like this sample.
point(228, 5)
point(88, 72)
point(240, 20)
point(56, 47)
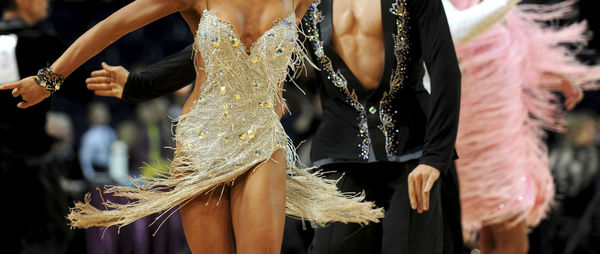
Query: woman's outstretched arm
point(129, 18)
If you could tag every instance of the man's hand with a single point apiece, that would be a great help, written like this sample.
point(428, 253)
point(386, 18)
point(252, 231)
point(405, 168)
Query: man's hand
point(30, 92)
point(109, 81)
point(572, 93)
point(420, 182)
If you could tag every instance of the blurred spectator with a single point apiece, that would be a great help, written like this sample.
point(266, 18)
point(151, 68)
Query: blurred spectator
point(154, 138)
point(104, 160)
point(59, 127)
point(94, 153)
point(94, 158)
point(62, 157)
point(574, 160)
point(573, 226)
point(118, 166)
point(24, 50)
point(32, 192)
point(127, 133)
point(63, 174)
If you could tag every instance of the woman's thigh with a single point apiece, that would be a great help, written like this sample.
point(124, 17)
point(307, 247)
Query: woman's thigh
point(258, 207)
point(206, 221)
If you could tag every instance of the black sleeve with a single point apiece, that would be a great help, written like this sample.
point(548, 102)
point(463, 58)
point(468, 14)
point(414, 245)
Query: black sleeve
point(444, 101)
point(165, 76)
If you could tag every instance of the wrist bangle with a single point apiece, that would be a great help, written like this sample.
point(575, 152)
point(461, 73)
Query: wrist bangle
point(48, 80)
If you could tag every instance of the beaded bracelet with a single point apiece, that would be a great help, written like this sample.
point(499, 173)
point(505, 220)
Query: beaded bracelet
point(49, 80)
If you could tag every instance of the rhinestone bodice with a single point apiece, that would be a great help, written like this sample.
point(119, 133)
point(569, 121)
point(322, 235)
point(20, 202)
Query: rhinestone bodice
point(231, 71)
point(234, 119)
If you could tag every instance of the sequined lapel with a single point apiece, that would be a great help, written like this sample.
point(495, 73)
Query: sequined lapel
point(396, 26)
point(389, 30)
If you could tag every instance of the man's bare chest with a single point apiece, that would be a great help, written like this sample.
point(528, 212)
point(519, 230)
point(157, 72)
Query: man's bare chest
point(358, 18)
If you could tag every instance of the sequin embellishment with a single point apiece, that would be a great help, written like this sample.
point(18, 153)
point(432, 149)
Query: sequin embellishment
point(401, 51)
point(312, 21)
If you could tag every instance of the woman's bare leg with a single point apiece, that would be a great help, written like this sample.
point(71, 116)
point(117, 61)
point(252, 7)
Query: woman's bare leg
point(207, 225)
point(510, 240)
point(486, 240)
point(258, 207)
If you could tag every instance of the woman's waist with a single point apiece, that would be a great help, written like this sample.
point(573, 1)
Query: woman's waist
point(231, 100)
point(205, 132)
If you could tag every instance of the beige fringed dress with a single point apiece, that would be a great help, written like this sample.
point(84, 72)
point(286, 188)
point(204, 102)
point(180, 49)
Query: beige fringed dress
point(229, 130)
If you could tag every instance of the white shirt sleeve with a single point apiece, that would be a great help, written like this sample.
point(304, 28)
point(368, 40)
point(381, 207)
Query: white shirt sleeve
point(468, 24)
point(9, 70)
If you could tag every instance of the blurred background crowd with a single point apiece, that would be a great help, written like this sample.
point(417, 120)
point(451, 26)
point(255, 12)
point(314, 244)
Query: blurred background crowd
point(93, 141)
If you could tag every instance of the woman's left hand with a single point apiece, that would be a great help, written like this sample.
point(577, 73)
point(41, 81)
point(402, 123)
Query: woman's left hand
point(572, 92)
point(30, 92)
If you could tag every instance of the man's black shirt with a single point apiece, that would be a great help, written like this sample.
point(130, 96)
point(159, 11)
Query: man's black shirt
point(22, 131)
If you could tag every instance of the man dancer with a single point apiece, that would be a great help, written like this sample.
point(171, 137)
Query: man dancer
point(37, 222)
point(380, 127)
point(382, 132)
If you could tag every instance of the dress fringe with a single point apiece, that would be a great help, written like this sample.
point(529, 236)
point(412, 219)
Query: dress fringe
point(308, 197)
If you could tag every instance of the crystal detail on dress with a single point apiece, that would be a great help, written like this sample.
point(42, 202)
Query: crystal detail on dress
point(229, 106)
point(401, 52)
point(312, 20)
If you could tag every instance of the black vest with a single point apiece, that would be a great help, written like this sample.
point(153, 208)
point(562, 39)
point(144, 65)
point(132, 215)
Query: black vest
point(390, 122)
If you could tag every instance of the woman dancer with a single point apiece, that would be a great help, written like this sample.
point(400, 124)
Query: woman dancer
point(509, 71)
point(228, 175)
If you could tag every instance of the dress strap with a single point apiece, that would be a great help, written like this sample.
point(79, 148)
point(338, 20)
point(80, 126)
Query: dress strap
point(294, 7)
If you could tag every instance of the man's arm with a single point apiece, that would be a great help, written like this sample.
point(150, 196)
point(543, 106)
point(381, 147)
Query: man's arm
point(444, 100)
point(165, 76)
point(160, 78)
point(467, 24)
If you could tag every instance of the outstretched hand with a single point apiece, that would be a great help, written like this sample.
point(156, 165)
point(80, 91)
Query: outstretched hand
point(572, 93)
point(570, 90)
point(420, 182)
point(109, 81)
point(30, 92)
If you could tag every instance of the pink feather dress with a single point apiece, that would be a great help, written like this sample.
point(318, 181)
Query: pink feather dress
point(505, 109)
